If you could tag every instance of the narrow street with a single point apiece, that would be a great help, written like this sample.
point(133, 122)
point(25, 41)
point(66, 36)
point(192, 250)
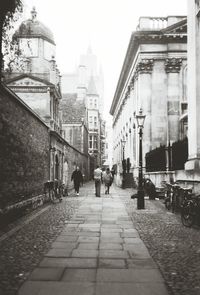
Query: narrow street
point(89, 245)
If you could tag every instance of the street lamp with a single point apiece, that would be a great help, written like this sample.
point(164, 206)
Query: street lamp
point(123, 142)
point(140, 194)
point(123, 147)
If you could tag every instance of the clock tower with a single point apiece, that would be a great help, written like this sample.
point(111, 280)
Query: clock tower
point(36, 43)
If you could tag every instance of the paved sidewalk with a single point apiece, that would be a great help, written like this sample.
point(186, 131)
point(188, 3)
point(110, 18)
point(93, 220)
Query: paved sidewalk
point(99, 252)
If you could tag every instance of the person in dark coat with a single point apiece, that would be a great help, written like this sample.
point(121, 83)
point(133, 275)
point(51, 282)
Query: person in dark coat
point(77, 177)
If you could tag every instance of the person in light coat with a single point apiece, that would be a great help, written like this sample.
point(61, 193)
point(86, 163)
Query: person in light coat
point(107, 179)
point(98, 181)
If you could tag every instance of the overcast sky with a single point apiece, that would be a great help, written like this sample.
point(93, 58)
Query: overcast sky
point(106, 25)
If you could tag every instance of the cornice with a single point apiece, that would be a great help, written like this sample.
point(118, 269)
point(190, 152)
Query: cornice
point(25, 89)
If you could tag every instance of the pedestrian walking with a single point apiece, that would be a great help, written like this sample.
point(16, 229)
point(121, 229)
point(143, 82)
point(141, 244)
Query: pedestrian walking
point(77, 177)
point(113, 172)
point(107, 179)
point(98, 181)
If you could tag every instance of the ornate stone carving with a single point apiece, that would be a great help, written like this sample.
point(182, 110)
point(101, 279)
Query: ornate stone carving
point(173, 65)
point(145, 66)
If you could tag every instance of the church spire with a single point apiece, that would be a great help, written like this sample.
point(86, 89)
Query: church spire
point(92, 87)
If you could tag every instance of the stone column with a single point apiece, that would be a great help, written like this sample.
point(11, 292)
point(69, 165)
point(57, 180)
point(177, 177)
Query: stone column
point(144, 71)
point(193, 85)
point(172, 68)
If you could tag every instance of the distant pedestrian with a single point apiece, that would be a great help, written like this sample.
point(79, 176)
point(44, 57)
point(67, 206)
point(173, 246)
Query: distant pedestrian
point(113, 172)
point(107, 179)
point(77, 177)
point(98, 181)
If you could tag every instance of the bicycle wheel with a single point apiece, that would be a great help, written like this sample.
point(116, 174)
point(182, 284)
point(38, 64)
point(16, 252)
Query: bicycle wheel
point(167, 201)
point(187, 214)
point(168, 204)
point(53, 196)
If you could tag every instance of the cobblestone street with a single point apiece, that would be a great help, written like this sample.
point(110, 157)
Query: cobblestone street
point(59, 241)
point(173, 247)
point(21, 251)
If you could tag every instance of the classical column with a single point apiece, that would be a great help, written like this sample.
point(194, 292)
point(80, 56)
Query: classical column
point(193, 85)
point(172, 68)
point(144, 71)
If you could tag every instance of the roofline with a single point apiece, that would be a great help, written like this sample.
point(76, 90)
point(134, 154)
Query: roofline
point(132, 46)
point(52, 132)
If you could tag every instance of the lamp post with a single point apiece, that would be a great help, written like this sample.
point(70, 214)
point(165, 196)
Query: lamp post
point(123, 147)
point(140, 194)
point(123, 142)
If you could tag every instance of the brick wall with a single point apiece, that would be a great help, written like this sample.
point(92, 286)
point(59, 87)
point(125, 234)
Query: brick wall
point(24, 150)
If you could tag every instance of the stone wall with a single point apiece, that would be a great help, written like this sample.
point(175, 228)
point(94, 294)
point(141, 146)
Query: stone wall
point(24, 150)
point(25, 154)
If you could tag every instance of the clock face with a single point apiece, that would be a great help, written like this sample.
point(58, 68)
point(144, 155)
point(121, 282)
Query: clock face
point(29, 47)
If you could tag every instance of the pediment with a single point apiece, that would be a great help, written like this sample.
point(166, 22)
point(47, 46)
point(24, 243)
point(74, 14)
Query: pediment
point(26, 82)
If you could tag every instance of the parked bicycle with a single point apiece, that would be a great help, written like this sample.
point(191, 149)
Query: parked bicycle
point(168, 196)
point(190, 209)
point(172, 197)
point(54, 190)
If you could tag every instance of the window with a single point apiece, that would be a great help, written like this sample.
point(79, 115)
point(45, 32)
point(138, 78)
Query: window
point(90, 142)
point(95, 103)
point(95, 142)
point(95, 122)
point(91, 103)
point(90, 119)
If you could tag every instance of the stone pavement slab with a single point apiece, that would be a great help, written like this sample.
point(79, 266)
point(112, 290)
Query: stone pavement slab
point(47, 274)
point(112, 263)
point(131, 289)
point(79, 275)
point(98, 252)
point(110, 246)
point(129, 275)
point(69, 262)
point(57, 288)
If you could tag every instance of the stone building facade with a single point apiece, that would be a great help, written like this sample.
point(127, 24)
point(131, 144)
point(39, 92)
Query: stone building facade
point(86, 86)
point(74, 122)
point(154, 78)
point(191, 174)
point(38, 84)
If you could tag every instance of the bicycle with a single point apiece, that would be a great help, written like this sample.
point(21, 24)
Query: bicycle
point(176, 203)
point(172, 197)
point(190, 210)
point(168, 196)
point(54, 190)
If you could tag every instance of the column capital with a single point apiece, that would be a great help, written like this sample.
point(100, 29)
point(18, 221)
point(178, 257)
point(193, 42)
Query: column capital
point(173, 65)
point(145, 66)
